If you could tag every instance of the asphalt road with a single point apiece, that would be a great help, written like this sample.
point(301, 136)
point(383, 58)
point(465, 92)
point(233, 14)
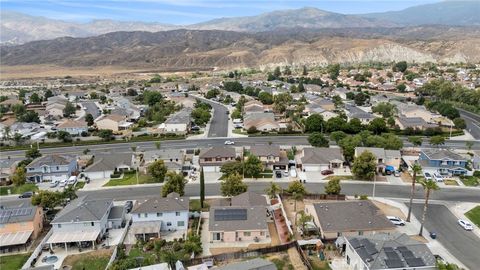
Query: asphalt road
point(91, 108)
point(219, 122)
point(464, 245)
point(473, 122)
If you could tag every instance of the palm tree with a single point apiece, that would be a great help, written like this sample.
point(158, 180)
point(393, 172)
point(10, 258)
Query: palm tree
point(273, 190)
point(296, 197)
point(416, 168)
point(428, 185)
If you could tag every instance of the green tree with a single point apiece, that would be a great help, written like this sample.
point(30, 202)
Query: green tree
point(19, 176)
point(437, 140)
point(318, 140)
point(175, 183)
point(314, 123)
point(18, 109)
point(232, 167)
point(253, 166)
point(47, 199)
point(157, 170)
point(304, 219)
point(265, 97)
point(48, 94)
point(333, 187)
point(304, 71)
point(364, 166)
point(281, 102)
point(29, 117)
point(428, 186)
point(385, 109)
point(202, 187)
point(151, 98)
point(469, 145)
point(33, 153)
point(233, 185)
point(360, 99)
point(459, 123)
point(105, 134)
point(170, 257)
point(277, 73)
point(89, 119)
point(201, 116)
point(34, 98)
point(400, 66)
point(93, 95)
point(415, 140)
point(377, 126)
point(64, 136)
point(69, 109)
point(333, 71)
point(337, 136)
point(416, 169)
point(301, 88)
point(273, 190)
point(401, 88)
point(354, 126)
point(296, 187)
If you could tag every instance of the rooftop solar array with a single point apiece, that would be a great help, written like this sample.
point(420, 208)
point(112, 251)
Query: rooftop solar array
point(6, 214)
point(230, 214)
point(394, 263)
point(415, 262)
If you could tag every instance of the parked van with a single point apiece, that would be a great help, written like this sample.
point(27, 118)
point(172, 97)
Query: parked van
point(293, 172)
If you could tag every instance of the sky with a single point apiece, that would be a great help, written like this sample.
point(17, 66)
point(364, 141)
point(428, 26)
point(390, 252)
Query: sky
point(183, 12)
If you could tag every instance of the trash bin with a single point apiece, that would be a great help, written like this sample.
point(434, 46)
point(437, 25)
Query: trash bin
point(433, 235)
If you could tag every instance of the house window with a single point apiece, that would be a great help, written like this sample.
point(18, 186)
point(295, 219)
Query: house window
point(139, 215)
point(177, 214)
point(169, 224)
point(146, 214)
point(218, 159)
point(360, 232)
point(93, 223)
point(262, 233)
point(339, 234)
point(348, 259)
point(208, 159)
point(181, 223)
point(159, 214)
point(247, 233)
point(59, 225)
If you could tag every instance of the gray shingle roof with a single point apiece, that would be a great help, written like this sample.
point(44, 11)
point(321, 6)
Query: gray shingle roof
point(109, 162)
point(51, 160)
point(439, 154)
point(217, 152)
point(256, 219)
point(249, 199)
point(173, 202)
point(255, 264)
point(265, 150)
point(351, 216)
point(181, 117)
point(83, 209)
point(393, 243)
point(321, 155)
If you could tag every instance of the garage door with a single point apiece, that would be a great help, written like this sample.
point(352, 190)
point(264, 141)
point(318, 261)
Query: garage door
point(58, 177)
point(211, 169)
point(314, 168)
point(98, 175)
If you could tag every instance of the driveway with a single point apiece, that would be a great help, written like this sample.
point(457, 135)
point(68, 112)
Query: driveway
point(462, 244)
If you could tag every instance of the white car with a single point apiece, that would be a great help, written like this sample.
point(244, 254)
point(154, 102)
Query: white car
point(427, 176)
point(467, 226)
point(63, 183)
point(396, 220)
point(437, 177)
point(229, 142)
point(54, 183)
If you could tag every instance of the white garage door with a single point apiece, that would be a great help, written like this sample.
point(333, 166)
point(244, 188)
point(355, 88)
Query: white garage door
point(58, 177)
point(211, 168)
point(98, 175)
point(314, 168)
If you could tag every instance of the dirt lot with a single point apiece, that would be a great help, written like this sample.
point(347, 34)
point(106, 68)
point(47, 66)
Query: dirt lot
point(389, 210)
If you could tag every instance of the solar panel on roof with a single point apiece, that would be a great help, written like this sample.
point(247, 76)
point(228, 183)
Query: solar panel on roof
point(362, 252)
point(230, 214)
point(407, 254)
point(392, 255)
point(388, 249)
point(415, 262)
point(400, 248)
point(371, 249)
point(355, 243)
point(394, 263)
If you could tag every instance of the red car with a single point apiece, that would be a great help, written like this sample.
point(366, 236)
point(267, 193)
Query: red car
point(327, 172)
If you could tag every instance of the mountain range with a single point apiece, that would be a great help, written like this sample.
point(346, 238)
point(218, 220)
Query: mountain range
point(17, 28)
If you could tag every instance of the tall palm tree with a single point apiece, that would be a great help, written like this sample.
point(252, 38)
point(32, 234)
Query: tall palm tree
point(273, 190)
point(296, 197)
point(428, 186)
point(416, 168)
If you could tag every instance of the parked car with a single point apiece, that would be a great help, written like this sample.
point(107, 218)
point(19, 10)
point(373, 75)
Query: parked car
point(27, 194)
point(427, 176)
point(396, 220)
point(128, 206)
point(285, 173)
point(467, 226)
point(229, 142)
point(63, 183)
point(396, 173)
point(54, 183)
point(72, 180)
point(327, 172)
point(437, 177)
point(278, 174)
point(293, 172)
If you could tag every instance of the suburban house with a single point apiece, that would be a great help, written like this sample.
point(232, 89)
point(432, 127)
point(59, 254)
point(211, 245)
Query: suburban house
point(354, 112)
point(82, 220)
point(442, 161)
point(156, 214)
point(412, 122)
point(114, 122)
point(7, 168)
point(348, 218)
point(24, 129)
point(253, 106)
point(211, 159)
point(387, 251)
point(341, 92)
point(316, 159)
point(105, 165)
point(174, 159)
point(55, 106)
point(262, 121)
point(55, 167)
point(243, 219)
point(325, 104)
point(271, 156)
point(254, 264)
point(74, 127)
point(20, 224)
point(179, 123)
point(387, 160)
point(314, 108)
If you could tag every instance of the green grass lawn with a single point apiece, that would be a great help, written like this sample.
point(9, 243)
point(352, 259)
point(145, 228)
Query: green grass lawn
point(18, 190)
point(96, 260)
point(80, 185)
point(129, 179)
point(474, 215)
point(470, 181)
point(450, 182)
point(340, 177)
point(13, 261)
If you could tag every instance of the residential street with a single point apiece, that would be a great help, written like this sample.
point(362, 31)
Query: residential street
point(473, 122)
point(219, 122)
point(464, 245)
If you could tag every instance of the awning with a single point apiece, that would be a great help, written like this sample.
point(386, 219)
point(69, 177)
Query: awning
point(145, 227)
point(75, 236)
point(14, 238)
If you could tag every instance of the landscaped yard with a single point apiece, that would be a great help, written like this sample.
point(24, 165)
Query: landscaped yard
point(129, 179)
point(339, 177)
point(474, 215)
point(471, 181)
point(13, 261)
point(18, 190)
point(450, 182)
point(95, 260)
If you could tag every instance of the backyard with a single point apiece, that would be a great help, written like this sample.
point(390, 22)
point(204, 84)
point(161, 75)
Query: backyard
point(17, 190)
point(130, 178)
point(13, 261)
point(474, 215)
point(95, 260)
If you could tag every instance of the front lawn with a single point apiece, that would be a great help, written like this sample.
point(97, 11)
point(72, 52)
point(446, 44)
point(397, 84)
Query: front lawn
point(470, 181)
point(129, 179)
point(13, 261)
point(18, 190)
point(474, 215)
point(339, 177)
point(450, 182)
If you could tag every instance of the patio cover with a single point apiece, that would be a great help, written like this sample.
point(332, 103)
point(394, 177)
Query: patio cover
point(145, 227)
point(69, 237)
point(14, 238)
